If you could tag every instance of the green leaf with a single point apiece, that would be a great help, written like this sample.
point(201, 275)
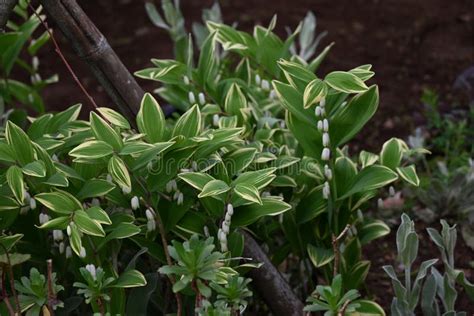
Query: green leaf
point(60, 201)
point(128, 279)
point(196, 179)
point(214, 188)
point(57, 180)
point(35, 169)
point(123, 230)
point(94, 188)
point(235, 101)
point(189, 124)
point(19, 143)
point(409, 175)
point(320, 256)
point(391, 153)
point(258, 179)
point(9, 241)
point(93, 149)
point(248, 193)
point(102, 131)
point(56, 223)
point(150, 119)
point(367, 158)
point(15, 182)
point(370, 178)
point(372, 230)
point(367, 308)
point(314, 92)
point(247, 214)
point(99, 215)
point(347, 122)
point(114, 117)
point(239, 159)
point(75, 239)
point(119, 172)
point(148, 155)
point(345, 82)
point(87, 225)
point(207, 60)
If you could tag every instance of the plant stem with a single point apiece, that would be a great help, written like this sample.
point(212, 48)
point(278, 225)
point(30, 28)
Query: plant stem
point(51, 294)
point(408, 280)
point(5, 295)
point(12, 281)
point(335, 247)
point(101, 306)
point(198, 301)
point(63, 59)
point(342, 311)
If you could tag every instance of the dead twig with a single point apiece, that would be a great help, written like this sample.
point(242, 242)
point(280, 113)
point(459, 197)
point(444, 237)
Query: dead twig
point(335, 247)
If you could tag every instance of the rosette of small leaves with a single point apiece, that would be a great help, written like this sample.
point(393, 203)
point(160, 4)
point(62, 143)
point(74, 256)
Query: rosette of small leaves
point(407, 294)
point(331, 299)
point(196, 265)
point(234, 294)
point(98, 285)
point(33, 293)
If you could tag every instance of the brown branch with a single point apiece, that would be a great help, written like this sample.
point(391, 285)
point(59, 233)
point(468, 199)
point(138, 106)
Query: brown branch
point(5, 295)
point(270, 284)
point(91, 46)
point(335, 247)
point(63, 59)
point(101, 306)
point(6, 8)
point(51, 294)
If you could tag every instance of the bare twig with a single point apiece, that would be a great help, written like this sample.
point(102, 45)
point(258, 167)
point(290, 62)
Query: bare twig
point(5, 295)
point(335, 247)
point(51, 294)
point(101, 306)
point(61, 55)
point(12, 281)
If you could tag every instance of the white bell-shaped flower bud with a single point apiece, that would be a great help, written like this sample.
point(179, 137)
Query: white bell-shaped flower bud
point(325, 139)
point(191, 97)
point(149, 214)
point(32, 203)
point(54, 157)
point(92, 270)
point(169, 187)
point(180, 198)
point(175, 195)
point(95, 202)
point(215, 120)
point(325, 125)
point(135, 203)
point(273, 94)
point(35, 62)
point(174, 185)
point(265, 84)
point(317, 111)
point(326, 190)
point(43, 218)
point(323, 111)
point(230, 209)
point(194, 166)
point(327, 172)
point(68, 230)
point(68, 252)
point(325, 154)
point(62, 247)
point(151, 225)
point(202, 98)
point(391, 191)
point(82, 253)
point(126, 190)
point(322, 103)
point(258, 80)
point(320, 126)
point(27, 197)
point(206, 231)
point(225, 229)
point(186, 80)
point(58, 235)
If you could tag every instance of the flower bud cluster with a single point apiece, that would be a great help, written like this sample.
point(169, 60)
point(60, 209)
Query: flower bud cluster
point(151, 221)
point(223, 232)
point(323, 126)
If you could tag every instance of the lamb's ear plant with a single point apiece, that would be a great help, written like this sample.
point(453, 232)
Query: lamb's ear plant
point(442, 287)
point(407, 291)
